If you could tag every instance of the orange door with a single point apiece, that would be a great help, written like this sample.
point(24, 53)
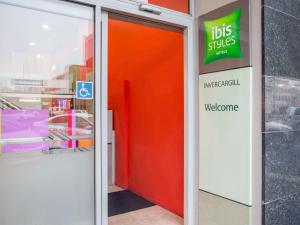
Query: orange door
point(145, 83)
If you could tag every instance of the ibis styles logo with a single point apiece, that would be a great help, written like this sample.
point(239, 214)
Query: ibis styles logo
point(222, 37)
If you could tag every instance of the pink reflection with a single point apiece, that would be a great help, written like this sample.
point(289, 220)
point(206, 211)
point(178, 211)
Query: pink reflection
point(24, 124)
point(28, 147)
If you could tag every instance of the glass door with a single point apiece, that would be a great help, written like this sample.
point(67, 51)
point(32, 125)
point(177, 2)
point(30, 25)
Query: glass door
point(46, 114)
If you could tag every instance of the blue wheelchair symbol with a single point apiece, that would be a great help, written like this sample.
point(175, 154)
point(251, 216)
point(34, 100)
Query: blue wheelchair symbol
point(84, 90)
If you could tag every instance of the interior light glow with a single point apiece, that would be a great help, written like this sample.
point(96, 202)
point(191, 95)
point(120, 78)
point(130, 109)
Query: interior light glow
point(45, 27)
point(29, 100)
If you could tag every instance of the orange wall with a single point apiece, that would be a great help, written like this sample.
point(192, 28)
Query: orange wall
point(178, 5)
point(150, 59)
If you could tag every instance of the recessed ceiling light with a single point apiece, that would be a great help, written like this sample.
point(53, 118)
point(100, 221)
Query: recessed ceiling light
point(45, 27)
point(32, 43)
point(53, 67)
point(38, 56)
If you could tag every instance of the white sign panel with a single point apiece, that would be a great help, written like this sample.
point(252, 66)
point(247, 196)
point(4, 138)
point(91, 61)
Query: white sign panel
point(225, 134)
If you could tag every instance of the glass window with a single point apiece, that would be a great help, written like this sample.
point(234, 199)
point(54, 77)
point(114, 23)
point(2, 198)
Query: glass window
point(46, 131)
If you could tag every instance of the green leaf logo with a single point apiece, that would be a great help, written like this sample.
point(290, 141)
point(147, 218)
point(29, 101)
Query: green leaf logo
point(222, 37)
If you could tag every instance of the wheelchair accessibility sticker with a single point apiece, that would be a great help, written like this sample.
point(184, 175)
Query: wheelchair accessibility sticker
point(84, 90)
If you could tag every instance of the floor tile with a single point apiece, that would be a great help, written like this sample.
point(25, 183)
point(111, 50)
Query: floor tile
point(155, 215)
point(114, 188)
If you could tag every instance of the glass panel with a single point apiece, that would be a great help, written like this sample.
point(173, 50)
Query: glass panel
point(46, 131)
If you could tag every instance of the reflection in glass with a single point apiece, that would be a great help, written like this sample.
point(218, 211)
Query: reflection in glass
point(281, 137)
point(282, 110)
point(282, 102)
point(46, 133)
point(38, 72)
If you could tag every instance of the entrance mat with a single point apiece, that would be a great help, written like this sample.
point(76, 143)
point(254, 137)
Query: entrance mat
point(125, 201)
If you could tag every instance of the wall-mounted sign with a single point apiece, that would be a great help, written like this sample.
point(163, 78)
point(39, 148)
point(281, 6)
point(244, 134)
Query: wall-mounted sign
point(84, 90)
point(225, 101)
point(224, 38)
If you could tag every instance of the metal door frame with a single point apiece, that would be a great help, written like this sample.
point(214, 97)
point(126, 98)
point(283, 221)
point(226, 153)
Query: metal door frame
point(186, 22)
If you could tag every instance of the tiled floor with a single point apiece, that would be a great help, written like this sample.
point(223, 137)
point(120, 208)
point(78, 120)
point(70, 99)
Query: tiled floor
point(155, 215)
point(114, 188)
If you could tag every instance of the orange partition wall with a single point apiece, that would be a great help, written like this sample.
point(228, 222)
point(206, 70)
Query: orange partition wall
point(145, 83)
point(178, 5)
